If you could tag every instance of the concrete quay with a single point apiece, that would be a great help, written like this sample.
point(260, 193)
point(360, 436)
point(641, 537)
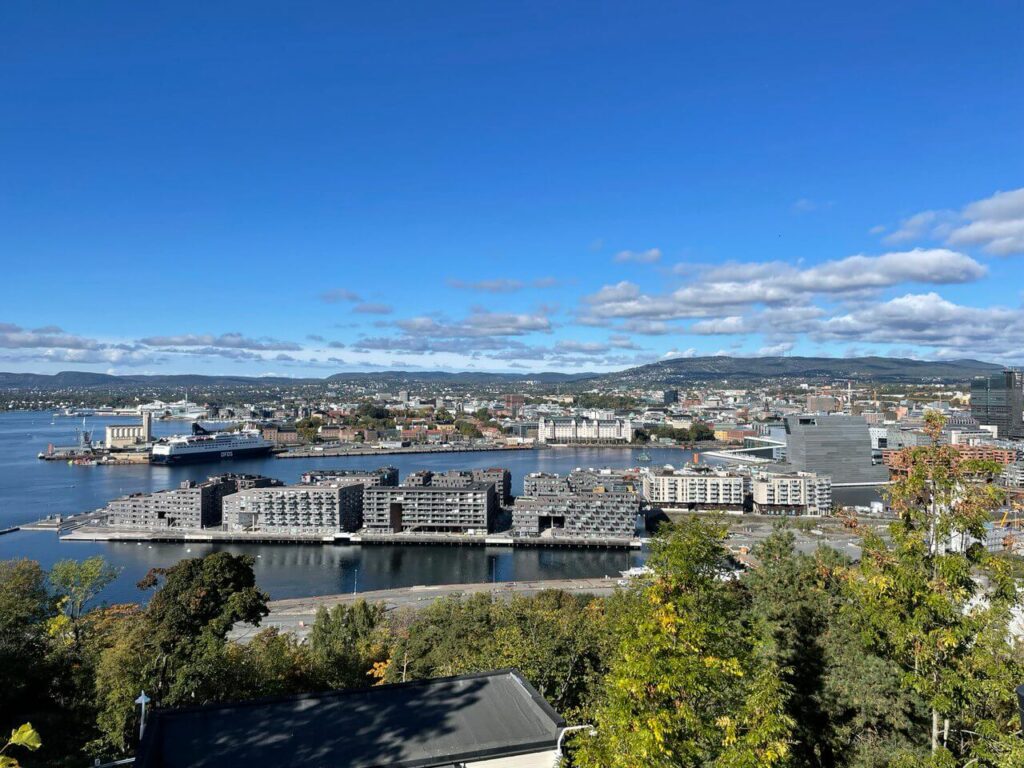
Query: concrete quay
point(105, 533)
point(296, 615)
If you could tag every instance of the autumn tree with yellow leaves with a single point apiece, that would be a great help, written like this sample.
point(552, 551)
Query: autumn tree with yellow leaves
point(691, 681)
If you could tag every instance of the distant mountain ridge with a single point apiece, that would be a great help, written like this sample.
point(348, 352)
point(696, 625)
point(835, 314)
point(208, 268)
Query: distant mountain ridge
point(679, 371)
point(689, 369)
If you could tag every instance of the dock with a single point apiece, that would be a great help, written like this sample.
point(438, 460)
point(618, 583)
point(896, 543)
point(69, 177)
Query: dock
point(85, 532)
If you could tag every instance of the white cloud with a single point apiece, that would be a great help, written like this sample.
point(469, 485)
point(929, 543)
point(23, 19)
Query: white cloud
point(15, 337)
point(731, 288)
point(224, 340)
point(929, 320)
point(995, 224)
point(649, 256)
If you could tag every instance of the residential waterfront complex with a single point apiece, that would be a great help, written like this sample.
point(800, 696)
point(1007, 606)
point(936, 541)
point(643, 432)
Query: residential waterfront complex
point(191, 506)
point(430, 509)
point(325, 508)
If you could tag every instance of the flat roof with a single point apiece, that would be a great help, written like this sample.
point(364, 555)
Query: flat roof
point(409, 725)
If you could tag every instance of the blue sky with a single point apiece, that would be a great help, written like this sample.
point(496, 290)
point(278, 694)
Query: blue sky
point(307, 188)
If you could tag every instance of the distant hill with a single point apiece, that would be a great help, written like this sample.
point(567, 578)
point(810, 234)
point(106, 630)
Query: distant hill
point(882, 369)
point(678, 371)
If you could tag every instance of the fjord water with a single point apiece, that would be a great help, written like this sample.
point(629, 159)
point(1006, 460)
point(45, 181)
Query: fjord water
point(31, 489)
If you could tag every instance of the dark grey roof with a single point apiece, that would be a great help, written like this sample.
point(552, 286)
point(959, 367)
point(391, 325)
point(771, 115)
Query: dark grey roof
point(410, 725)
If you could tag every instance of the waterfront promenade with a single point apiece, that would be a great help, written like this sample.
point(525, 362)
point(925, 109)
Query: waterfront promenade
point(297, 614)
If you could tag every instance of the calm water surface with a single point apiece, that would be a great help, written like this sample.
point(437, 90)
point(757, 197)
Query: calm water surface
point(31, 489)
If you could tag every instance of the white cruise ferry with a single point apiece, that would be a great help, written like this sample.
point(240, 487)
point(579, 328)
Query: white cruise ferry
point(203, 445)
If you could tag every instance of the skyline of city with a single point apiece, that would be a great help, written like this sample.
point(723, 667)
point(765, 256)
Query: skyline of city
point(580, 188)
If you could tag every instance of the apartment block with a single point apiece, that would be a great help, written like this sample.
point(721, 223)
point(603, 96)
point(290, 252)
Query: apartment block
point(368, 478)
point(430, 509)
point(499, 477)
point(696, 489)
point(325, 508)
point(190, 506)
point(798, 493)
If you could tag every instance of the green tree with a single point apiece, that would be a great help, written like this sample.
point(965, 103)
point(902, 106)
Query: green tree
point(688, 683)
point(346, 641)
point(309, 429)
point(77, 582)
point(468, 429)
point(174, 649)
point(934, 602)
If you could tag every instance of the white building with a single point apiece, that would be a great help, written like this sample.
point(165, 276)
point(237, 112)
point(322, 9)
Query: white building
point(583, 430)
point(797, 493)
point(695, 489)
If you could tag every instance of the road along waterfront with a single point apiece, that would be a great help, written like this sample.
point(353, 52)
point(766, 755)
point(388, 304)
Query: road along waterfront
point(297, 614)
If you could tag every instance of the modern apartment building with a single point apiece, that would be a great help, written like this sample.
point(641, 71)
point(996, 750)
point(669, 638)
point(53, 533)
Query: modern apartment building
point(696, 489)
point(324, 508)
point(544, 484)
point(588, 503)
point(584, 514)
point(838, 446)
point(430, 509)
point(380, 476)
point(797, 493)
point(191, 506)
point(462, 478)
point(998, 400)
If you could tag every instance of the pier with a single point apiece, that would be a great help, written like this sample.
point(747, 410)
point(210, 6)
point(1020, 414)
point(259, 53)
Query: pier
point(85, 532)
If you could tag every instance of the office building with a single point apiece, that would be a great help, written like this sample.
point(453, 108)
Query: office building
point(430, 509)
point(998, 401)
point(838, 446)
point(325, 509)
point(191, 506)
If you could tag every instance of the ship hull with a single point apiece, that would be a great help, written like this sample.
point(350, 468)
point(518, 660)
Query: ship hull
point(202, 457)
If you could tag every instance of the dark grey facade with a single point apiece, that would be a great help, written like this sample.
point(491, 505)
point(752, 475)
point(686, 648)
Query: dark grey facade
point(430, 509)
point(191, 506)
point(838, 446)
point(380, 476)
point(998, 400)
point(584, 504)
